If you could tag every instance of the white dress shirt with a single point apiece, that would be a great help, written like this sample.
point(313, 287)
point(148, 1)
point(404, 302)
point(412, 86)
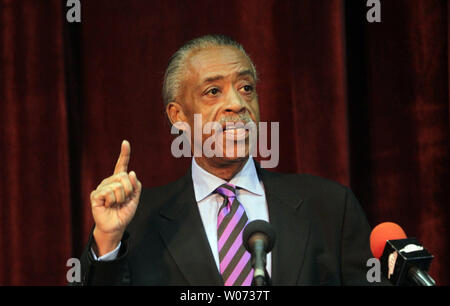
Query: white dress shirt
point(250, 194)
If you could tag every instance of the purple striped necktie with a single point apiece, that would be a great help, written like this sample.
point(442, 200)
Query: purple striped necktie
point(235, 265)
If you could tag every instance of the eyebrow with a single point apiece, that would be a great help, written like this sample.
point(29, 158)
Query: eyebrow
point(219, 77)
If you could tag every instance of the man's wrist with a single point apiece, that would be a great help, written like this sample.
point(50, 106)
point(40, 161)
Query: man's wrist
point(105, 243)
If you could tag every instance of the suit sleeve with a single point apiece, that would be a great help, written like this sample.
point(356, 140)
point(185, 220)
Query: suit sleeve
point(355, 245)
point(115, 272)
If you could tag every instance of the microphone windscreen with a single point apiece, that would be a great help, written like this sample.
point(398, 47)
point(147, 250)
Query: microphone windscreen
point(259, 226)
point(383, 232)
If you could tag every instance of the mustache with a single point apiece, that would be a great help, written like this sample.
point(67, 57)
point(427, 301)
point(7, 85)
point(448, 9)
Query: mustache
point(240, 118)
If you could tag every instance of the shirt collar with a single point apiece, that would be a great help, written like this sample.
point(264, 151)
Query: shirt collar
point(206, 183)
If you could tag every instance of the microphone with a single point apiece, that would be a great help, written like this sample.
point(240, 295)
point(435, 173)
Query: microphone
point(259, 239)
point(403, 260)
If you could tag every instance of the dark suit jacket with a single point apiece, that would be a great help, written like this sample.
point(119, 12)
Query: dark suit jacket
point(322, 237)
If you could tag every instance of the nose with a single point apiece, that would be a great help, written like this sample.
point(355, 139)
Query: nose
point(235, 103)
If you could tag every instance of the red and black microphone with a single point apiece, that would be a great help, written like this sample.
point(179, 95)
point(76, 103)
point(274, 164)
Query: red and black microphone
point(404, 261)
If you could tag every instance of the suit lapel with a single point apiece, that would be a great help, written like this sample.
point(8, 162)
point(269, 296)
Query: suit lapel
point(184, 235)
point(291, 226)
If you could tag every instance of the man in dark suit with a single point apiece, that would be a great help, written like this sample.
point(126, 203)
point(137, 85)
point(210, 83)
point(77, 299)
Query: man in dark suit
point(189, 232)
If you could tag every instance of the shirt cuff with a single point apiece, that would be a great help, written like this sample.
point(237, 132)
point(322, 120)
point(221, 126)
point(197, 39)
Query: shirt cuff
point(108, 256)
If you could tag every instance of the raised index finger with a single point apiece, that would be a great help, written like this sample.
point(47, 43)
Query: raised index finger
point(124, 158)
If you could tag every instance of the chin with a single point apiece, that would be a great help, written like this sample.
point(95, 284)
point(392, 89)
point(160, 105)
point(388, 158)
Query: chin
point(235, 157)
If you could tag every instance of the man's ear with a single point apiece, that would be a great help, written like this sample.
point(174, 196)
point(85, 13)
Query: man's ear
point(175, 113)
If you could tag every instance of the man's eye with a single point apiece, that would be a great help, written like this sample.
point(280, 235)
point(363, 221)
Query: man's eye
point(213, 91)
point(247, 88)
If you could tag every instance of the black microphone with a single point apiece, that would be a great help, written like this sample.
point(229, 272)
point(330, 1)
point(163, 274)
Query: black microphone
point(259, 239)
point(403, 260)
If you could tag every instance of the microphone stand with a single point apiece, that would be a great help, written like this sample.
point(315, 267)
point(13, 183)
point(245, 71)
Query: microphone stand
point(260, 275)
point(260, 281)
point(420, 277)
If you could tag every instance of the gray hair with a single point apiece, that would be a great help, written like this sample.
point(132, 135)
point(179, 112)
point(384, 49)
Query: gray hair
point(172, 78)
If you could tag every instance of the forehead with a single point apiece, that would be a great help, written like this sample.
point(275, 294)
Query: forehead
point(214, 61)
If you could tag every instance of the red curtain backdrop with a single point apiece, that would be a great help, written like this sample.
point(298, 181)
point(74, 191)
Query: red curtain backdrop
point(365, 104)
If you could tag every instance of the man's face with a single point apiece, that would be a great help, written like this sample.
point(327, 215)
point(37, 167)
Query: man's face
point(219, 84)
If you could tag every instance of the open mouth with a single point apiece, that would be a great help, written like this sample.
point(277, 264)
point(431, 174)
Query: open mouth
point(235, 132)
point(231, 125)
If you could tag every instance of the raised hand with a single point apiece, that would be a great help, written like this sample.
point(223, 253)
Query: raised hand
point(114, 203)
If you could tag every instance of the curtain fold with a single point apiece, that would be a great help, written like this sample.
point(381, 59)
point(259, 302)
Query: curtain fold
point(366, 105)
point(35, 219)
point(407, 99)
